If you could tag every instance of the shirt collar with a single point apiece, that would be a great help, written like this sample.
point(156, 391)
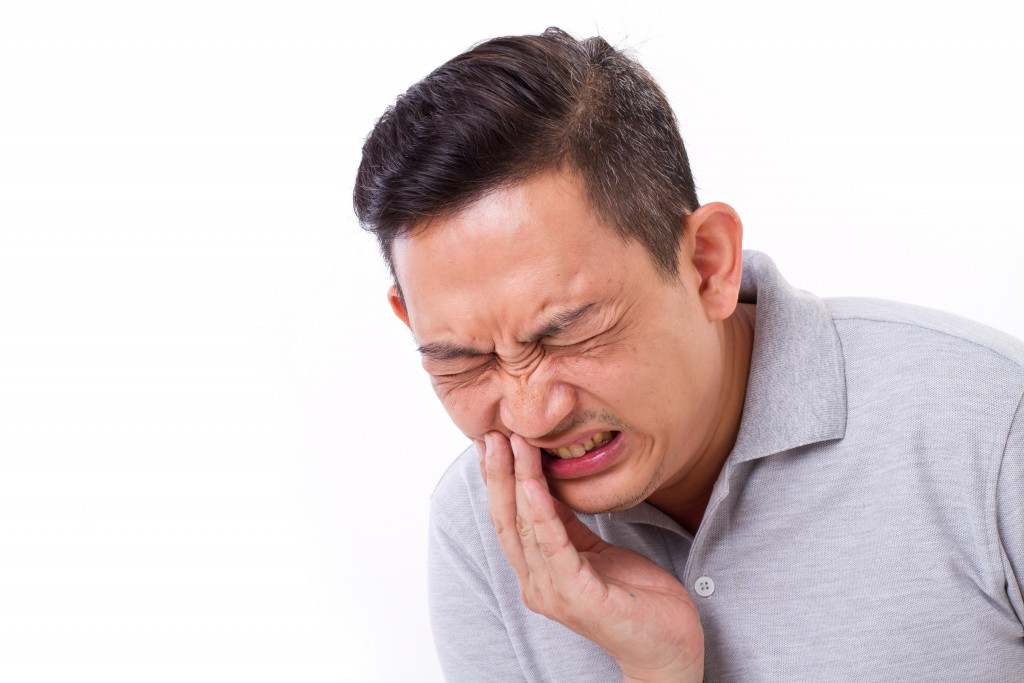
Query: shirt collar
point(796, 392)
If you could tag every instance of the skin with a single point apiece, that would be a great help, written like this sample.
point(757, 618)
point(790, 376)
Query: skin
point(539, 326)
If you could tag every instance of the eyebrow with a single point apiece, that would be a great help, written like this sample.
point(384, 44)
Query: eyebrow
point(441, 351)
point(561, 322)
point(448, 351)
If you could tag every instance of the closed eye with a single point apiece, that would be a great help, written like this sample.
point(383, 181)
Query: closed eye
point(569, 343)
point(456, 367)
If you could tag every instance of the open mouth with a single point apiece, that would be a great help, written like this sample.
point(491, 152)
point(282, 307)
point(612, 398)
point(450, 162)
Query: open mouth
point(578, 450)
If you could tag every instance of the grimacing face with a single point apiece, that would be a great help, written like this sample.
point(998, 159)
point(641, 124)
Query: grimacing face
point(534, 317)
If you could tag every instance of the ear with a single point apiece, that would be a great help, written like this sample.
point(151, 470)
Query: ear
point(713, 241)
point(398, 306)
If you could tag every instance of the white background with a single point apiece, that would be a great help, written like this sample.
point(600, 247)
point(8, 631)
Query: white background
point(217, 446)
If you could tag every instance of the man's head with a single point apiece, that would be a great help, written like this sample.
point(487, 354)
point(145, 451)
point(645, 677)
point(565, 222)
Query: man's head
point(513, 107)
point(533, 199)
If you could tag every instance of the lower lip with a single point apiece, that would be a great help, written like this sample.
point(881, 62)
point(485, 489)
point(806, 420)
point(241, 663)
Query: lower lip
point(594, 461)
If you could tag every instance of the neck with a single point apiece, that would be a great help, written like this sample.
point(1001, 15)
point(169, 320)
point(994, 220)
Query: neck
point(686, 501)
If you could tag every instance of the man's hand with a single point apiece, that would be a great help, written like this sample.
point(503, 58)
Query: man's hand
point(639, 613)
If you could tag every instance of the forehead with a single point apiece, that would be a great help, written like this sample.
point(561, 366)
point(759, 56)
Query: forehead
point(549, 210)
point(514, 254)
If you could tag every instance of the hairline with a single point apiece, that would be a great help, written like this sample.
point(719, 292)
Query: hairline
point(470, 197)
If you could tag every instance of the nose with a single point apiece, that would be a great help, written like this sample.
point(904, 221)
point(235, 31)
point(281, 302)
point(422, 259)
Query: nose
point(533, 404)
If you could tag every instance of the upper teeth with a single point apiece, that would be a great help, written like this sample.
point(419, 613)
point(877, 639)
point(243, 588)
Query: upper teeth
point(578, 449)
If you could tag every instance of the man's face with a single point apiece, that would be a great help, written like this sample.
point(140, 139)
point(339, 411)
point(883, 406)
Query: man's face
point(534, 317)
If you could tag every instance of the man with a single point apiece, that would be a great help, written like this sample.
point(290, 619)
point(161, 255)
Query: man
point(684, 468)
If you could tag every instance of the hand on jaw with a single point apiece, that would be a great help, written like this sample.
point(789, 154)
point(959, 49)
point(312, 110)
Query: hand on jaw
point(639, 613)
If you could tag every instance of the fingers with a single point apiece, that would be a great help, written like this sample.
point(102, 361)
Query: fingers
point(527, 461)
point(508, 465)
point(528, 470)
point(537, 534)
point(499, 471)
point(554, 547)
point(560, 542)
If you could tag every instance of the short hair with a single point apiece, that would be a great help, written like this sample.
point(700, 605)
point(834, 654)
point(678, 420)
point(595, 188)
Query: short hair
point(511, 107)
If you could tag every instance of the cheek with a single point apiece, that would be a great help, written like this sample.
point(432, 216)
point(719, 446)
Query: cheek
point(669, 372)
point(607, 378)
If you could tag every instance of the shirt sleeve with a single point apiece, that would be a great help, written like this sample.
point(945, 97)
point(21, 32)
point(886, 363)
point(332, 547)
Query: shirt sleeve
point(1010, 511)
point(469, 634)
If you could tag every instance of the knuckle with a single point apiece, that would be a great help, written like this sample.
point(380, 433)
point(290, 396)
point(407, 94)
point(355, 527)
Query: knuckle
point(524, 528)
point(550, 606)
point(529, 601)
point(536, 601)
point(549, 550)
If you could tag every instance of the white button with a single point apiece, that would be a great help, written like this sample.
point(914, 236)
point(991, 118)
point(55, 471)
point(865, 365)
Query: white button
point(704, 586)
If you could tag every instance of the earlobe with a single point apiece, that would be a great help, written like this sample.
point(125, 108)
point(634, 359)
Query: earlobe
point(713, 236)
point(398, 305)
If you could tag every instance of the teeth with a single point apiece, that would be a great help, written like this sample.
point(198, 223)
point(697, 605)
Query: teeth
point(579, 449)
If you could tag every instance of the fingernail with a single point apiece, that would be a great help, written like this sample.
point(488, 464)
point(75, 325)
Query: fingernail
point(529, 494)
point(481, 450)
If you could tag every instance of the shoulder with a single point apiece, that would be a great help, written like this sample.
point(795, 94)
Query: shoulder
point(942, 381)
point(933, 353)
point(461, 543)
point(886, 323)
point(459, 501)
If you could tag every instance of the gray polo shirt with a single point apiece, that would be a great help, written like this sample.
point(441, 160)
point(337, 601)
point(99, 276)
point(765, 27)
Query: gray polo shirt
point(867, 526)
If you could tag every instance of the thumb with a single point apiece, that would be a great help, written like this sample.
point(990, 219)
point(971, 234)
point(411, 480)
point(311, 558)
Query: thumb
point(580, 535)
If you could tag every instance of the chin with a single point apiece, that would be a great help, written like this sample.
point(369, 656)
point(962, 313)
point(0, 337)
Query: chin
point(597, 496)
point(595, 504)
